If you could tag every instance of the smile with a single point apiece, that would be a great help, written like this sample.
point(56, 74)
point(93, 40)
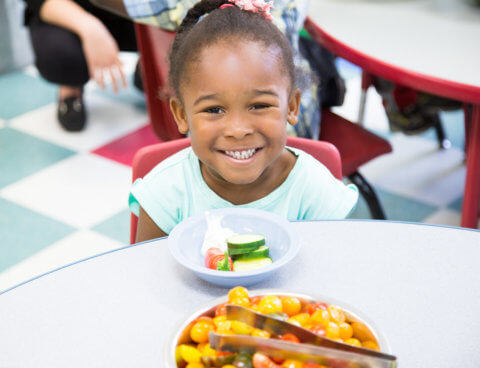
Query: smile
point(241, 155)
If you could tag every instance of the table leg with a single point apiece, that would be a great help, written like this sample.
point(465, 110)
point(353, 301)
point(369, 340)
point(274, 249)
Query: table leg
point(471, 196)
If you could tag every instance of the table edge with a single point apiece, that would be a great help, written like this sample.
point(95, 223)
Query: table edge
point(443, 87)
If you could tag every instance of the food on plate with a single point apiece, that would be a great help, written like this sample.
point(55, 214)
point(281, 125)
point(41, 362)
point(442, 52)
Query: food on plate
point(216, 259)
point(326, 320)
point(247, 251)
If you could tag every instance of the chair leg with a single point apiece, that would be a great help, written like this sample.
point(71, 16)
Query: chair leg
point(367, 191)
point(443, 142)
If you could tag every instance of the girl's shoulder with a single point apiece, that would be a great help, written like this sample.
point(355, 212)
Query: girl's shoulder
point(179, 161)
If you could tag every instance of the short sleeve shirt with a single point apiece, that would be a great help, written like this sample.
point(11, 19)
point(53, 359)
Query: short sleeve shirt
point(175, 190)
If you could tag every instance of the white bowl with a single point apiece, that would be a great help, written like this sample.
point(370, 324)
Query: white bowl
point(181, 335)
point(185, 242)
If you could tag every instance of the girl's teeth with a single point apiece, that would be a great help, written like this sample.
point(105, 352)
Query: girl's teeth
point(241, 155)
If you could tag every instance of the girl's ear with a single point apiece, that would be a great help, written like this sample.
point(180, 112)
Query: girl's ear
point(294, 106)
point(178, 112)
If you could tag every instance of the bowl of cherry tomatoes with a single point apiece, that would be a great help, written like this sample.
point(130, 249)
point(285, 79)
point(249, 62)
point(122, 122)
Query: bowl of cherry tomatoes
point(271, 236)
point(188, 346)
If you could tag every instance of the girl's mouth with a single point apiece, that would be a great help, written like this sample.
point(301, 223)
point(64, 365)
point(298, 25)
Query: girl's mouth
point(241, 154)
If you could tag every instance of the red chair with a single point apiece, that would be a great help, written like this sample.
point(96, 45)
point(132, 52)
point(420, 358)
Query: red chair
point(356, 145)
point(147, 157)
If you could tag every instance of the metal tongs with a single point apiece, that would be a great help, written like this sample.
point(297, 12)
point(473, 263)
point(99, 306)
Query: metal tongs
point(313, 348)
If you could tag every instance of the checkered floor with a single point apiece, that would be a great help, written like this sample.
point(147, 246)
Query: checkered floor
point(63, 196)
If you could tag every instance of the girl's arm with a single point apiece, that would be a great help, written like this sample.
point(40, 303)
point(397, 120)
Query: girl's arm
point(99, 46)
point(146, 228)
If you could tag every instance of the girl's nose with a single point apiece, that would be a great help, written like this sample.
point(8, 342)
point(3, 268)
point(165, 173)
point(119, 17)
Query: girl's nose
point(238, 126)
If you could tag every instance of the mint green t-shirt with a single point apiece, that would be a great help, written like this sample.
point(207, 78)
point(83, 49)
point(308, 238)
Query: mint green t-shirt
point(175, 190)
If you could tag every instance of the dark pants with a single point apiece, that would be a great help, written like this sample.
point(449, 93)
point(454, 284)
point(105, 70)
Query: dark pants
point(59, 55)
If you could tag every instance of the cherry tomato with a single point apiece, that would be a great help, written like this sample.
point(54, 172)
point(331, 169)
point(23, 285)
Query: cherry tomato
point(254, 300)
point(320, 316)
point(353, 341)
point(290, 363)
point(319, 329)
point(290, 337)
point(242, 301)
point(291, 305)
point(346, 331)
point(312, 307)
point(336, 314)
point(237, 293)
point(221, 310)
point(369, 344)
point(262, 361)
point(260, 333)
point(333, 330)
point(215, 256)
point(270, 304)
point(200, 330)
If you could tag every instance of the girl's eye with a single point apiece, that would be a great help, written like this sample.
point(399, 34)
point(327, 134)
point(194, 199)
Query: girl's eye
point(260, 106)
point(214, 110)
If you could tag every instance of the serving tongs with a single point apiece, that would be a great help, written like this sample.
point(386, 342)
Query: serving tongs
point(313, 348)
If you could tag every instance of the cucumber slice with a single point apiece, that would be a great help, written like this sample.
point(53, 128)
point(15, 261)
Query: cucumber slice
point(260, 252)
point(251, 264)
point(244, 250)
point(245, 240)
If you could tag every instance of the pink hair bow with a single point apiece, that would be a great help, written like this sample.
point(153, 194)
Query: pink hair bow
point(255, 6)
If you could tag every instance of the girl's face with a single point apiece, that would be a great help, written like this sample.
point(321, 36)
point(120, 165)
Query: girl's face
point(235, 101)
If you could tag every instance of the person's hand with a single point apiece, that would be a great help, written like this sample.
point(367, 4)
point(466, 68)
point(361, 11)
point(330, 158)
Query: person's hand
point(101, 52)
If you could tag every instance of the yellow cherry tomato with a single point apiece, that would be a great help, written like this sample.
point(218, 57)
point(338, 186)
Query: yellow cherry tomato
point(369, 344)
point(336, 314)
point(302, 318)
point(353, 341)
point(346, 331)
point(294, 322)
point(260, 333)
point(320, 316)
point(208, 351)
point(241, 328)
point(195, 365)
point(218, 320)
point(200, 330)
point(270, 304)
point(241, 301)
point(333, 331)
point(362, 332)
point(290, 363)
point(189, 353)
point(228, 366)
point(237, 292)
point(291, 305)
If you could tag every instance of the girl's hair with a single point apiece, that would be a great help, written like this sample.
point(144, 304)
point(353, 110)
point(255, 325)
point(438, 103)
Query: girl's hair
point(229, 23)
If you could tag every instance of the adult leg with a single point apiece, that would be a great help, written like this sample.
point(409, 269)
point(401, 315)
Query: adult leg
point(60, 60)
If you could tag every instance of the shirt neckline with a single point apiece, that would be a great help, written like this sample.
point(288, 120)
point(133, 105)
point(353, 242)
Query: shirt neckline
point(259, 203)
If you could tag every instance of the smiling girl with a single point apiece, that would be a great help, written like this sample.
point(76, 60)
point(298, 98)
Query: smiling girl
point(234, 81)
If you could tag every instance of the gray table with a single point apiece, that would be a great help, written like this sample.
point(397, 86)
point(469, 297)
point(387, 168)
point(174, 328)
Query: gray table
point(419, 283)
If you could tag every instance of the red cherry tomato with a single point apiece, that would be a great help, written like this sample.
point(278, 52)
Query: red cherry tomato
point(290, 337)
point(221, 310)
point(312, 307)
point(214, 256)
point(319, 329)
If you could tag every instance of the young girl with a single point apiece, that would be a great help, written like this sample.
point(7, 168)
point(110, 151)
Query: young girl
point(234, 81)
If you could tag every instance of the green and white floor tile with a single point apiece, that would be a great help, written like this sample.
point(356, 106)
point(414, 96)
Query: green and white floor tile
point(61, 200)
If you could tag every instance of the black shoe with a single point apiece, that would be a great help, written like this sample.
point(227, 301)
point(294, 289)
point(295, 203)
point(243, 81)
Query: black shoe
point(71, 114)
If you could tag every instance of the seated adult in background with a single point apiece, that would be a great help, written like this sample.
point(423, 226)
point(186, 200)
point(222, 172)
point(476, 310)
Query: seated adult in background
point(74, 41)
point(288, 16)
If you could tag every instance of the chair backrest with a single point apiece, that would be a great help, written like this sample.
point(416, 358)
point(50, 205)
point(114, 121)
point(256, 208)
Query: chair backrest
point(148, 157)
point(154, 44)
